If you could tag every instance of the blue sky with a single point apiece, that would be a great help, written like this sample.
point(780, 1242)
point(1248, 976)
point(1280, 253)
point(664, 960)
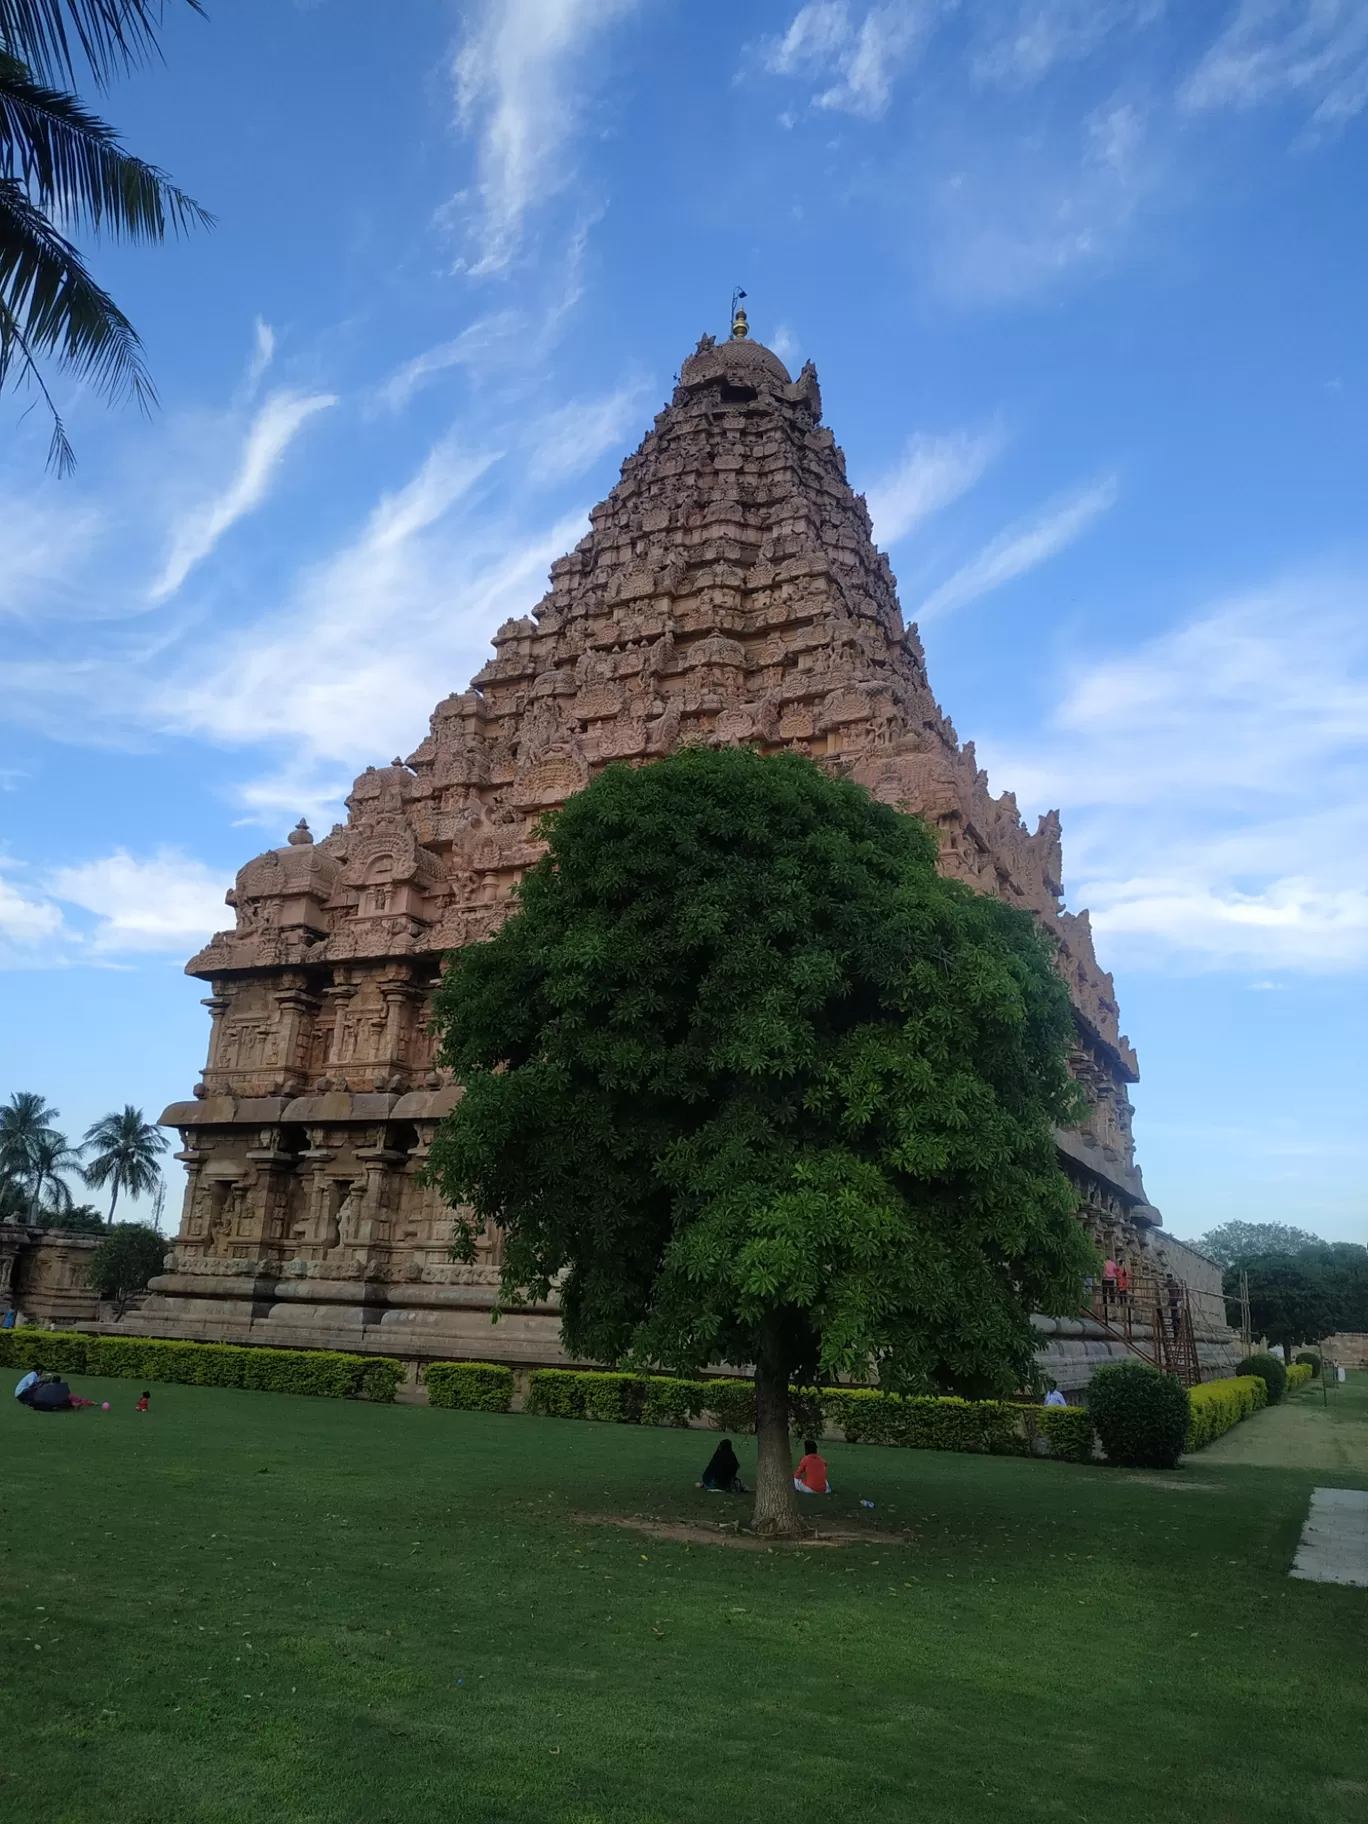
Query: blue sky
point(1084, 281)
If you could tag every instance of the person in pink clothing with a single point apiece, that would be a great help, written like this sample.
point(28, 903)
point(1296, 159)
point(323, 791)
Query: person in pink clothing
point(1108, 1284)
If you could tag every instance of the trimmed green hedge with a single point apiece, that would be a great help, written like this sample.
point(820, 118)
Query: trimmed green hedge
point(1141, 1414)
point(1066, 1430)
point(1216, 1406)
point(1310, 1359)
point(864, 1414)
point(469, 1386)
point(327, 1373)
point(1269, 1370)
point(1299, 1374)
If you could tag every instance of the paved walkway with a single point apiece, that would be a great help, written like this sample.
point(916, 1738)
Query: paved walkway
point(1334, 1541)
point(1305, 1432)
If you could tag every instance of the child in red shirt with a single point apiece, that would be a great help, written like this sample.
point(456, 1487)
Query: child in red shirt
point(811, 1475)
point(142, 1403)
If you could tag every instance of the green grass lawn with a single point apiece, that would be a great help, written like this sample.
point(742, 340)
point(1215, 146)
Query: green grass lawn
point(249, 1607)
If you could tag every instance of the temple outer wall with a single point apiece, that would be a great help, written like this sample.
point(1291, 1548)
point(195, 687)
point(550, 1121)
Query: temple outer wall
point(43, 1276)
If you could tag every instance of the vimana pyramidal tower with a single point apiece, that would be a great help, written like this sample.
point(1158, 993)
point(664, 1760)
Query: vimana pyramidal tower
point(729, 590)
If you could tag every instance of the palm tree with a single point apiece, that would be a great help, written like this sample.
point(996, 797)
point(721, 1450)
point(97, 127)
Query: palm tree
point(13, 1199)
point(51, 1156)
point(126, 1149)
point(61, 163)
point(25, 1128)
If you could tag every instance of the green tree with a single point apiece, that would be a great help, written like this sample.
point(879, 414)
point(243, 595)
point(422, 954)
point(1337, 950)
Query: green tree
point(1233, 1242)
point(747, 1082)
point(124, 1262)
point(123, 1150)
point(1293, 1298)
point(52, 1159)
point(26, 1122)
point(62, 168)
point(79, 1219)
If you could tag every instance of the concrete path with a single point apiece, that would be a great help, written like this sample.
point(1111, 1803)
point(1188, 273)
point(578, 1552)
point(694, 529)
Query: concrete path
point(1305, 1432)
point(1334, 1541)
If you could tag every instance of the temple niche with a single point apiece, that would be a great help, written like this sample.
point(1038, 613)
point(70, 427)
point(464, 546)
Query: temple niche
point(729, 590)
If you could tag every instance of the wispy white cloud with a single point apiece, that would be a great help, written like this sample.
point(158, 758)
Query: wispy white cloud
point(857, 58)
point(478, 342)
point(167, 901)
point(933, 472)
point(516, 77)
point(1310, 51)
point(342, 669)
point(1016, 45)
point(1020, 548)
point(570, 440)
point(1014, 217)
point(1212, 785)
point(29, 924)
point(263, 353)
point(45, 541)
point(270, 434)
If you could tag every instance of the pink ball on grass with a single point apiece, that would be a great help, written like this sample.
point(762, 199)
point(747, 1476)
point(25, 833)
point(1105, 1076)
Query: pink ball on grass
point(105, 1407)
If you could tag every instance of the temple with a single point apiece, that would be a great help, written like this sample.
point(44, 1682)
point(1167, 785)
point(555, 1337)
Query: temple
point(729, 590)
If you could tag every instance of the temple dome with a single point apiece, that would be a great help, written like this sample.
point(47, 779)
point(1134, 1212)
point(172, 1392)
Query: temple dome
point(747, 363)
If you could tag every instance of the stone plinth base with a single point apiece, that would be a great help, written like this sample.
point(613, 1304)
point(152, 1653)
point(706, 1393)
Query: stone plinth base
point(1075, 1348)
point(416, 1323)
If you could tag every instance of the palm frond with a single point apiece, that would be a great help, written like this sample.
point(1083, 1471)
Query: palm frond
point(108, 35)
point(50, 304)
point(72, 165)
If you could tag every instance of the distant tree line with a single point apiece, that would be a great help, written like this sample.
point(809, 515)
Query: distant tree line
point(1301, 1289)
point(119, 1153)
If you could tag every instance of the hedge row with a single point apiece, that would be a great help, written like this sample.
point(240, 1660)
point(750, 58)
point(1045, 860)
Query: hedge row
point(1216, 1406)
point(469, 1386)
point(865, 1415)
point(324, 1372)
point(640, 1399)
point(1299, 1374)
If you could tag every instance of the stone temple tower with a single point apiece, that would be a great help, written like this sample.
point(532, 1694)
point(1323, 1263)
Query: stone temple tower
point(729, 590)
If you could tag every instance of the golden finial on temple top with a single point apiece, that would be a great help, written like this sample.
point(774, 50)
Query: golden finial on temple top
point(740, 328)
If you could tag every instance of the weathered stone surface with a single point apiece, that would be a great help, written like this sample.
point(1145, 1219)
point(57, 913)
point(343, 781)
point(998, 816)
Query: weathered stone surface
point(729, 591)
point(43, 1275)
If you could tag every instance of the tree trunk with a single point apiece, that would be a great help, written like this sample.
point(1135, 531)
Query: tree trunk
point(776, 1503)
point(114, 1200)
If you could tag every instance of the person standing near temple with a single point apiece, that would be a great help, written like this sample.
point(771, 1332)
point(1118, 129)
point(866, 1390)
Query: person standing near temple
point(1108, 1285)
point(1175, 1303)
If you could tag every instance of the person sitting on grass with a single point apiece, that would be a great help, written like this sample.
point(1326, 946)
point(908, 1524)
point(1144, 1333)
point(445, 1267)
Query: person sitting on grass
point(52, 1395)
point(811, 1475)
point(723, 1474)
point(142, 1403)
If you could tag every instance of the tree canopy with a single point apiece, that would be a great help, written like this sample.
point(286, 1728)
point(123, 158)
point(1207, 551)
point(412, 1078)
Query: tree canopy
point(124, 1262)
point(1307, 1296)
point(34, 1158)
point(1239, 1241)
point(124, 1150)
point(746, 1081)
